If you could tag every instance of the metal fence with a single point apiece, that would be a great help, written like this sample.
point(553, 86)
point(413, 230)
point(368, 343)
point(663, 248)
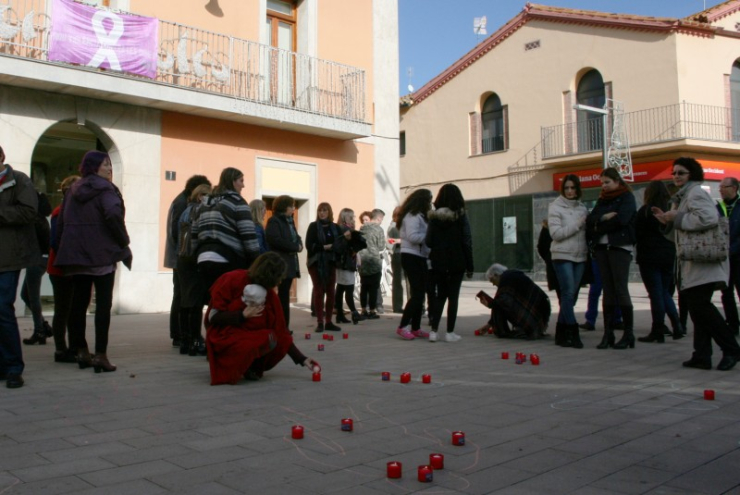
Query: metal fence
point(654, 125)
point(205, 61)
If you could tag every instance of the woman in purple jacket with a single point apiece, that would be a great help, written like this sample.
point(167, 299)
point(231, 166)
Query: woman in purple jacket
point(92, 239)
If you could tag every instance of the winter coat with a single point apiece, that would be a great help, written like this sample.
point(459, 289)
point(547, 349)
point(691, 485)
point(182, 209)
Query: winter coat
point(653, 248)
point(413, 235)
point(280, 240)
point(544, 241)
point(620, 230)
point(173, 217)
point(734, 220)
point(347, 254)
point(697, 211)
point(18, 207)
point(450, 241)
point(370, 262)
point(565, 219)
point(91, 230)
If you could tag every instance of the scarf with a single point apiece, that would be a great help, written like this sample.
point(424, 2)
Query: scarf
point(609, 195)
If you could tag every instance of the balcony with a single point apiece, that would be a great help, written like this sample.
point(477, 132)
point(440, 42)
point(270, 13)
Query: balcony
point(681, 121)
point(198, 73)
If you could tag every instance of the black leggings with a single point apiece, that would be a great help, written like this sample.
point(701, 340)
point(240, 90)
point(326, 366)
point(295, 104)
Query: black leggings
point(369, 285)
point(446, 289)
point(83, 285)
point(284, 296)
point(348, 291)
point(415, 268)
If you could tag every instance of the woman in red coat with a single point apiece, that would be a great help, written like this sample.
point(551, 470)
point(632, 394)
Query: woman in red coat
point(247, 340)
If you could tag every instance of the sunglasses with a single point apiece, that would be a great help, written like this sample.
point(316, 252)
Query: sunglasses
point(679, 173)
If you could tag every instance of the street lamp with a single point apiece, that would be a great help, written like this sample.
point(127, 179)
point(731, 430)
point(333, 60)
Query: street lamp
point(604, 116)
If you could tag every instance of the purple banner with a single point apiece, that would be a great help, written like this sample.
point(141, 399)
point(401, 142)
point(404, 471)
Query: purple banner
point(81, 34)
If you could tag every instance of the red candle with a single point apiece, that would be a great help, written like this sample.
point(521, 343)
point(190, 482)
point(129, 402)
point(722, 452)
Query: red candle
point(426, 474)
point(385, 376)
point(534, 359)
point(394, 469)
point(477, 332)
point(709, 395)
point(325, 336)
point(296, 432)
point(437, 461)
point(321, 347)
point(426, 378)
point(458, 438)
point(316, 377)
point(347, 424)
point(504, 355)
point(330, 338)
point(308, 336)
point(490, 331)
point(345, 336)
point(405, 377)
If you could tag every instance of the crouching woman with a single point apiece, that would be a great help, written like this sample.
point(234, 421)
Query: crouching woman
point(246, 330)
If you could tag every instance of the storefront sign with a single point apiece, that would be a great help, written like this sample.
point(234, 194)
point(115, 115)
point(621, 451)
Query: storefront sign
point(84, 35)
point(645, 172)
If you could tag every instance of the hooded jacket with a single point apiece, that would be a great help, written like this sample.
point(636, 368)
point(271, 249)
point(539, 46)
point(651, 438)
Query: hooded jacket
point(371, 262)
point(450, 241)
point(413, 235)
point(91, 230)
point(18, 206)
point(566, 221)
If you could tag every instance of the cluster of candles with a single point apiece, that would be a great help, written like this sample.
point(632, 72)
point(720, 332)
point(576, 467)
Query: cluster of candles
point(483, 332)
point(405, 377)
point(328, 337)
point(522, 358)
point(425, 472)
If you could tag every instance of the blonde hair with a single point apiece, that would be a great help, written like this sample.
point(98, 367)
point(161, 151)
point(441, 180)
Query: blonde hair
point(199, 192)
point(258, 211)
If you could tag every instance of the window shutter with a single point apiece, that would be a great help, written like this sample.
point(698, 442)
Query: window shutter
point(475, 133)
point(506, 126)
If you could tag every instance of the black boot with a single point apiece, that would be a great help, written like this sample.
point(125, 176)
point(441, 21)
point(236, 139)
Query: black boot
point(655, 335)
point(562, 337)
point(678, 330)
point(342, 319)
point(575, 338)
point(607, 340)
point(356, 317)
point(628, 337)
point(35, 338)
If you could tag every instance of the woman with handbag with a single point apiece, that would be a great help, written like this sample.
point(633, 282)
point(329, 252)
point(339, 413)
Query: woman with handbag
point(693, 215)
point(610, 227)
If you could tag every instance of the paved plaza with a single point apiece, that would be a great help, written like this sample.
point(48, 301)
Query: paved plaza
point(587, 421)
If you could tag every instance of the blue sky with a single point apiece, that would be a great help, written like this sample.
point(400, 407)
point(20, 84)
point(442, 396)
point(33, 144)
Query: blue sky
point(433, 34)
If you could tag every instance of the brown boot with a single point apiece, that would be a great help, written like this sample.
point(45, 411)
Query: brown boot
point(100, 363)
point(84, 360)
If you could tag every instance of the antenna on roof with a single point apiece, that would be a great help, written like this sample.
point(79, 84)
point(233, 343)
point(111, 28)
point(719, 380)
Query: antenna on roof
point(479, 26)
point(410, 74)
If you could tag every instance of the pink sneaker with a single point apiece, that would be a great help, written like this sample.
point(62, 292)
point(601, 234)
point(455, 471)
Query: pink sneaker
point(404, 333)
point(420, 334)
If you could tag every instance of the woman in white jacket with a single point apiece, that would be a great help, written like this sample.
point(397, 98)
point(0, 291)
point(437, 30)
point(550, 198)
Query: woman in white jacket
point(694, 210)
point(567, 221)
point(414, 253)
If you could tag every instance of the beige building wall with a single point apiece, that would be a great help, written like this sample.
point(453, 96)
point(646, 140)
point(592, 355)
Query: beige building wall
point(640, 66)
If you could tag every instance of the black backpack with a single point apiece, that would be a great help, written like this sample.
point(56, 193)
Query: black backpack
point(187, 246)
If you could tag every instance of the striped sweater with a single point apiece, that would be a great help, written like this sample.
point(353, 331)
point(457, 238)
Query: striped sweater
point(224, 226)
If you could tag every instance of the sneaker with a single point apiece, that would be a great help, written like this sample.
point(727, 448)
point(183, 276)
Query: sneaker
point(404, 333)
point(432, 336)
point(421, 334)
point(452, 337)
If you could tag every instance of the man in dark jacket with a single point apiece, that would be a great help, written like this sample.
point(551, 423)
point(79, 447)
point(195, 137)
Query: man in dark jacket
point(170, 249)
point(18, 206)
point(728, 189)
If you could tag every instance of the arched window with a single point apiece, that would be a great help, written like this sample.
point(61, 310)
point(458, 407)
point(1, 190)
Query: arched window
point(591, 92)
point(735, 100)
point(492, 120)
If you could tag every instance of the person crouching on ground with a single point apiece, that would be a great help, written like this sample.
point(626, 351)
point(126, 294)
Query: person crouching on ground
point(245, 339)
point(518, 301)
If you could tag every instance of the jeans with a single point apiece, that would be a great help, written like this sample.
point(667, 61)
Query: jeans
point(323, 292)
point(569, 275)
point(415, 268)
point(31, 295)
point(708, 324)
point(728, 295)
point(658, 280)
point(83, 285)
point(11, 355)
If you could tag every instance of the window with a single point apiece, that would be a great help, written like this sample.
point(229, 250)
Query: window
point(402, 143)
point(281, 34)
point(590, 126)
point(735, 100)
point(492, 120)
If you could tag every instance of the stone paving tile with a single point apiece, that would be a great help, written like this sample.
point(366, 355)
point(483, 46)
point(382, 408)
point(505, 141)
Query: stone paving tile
point(59, 469)
point(138, 487)
point(574, 424)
